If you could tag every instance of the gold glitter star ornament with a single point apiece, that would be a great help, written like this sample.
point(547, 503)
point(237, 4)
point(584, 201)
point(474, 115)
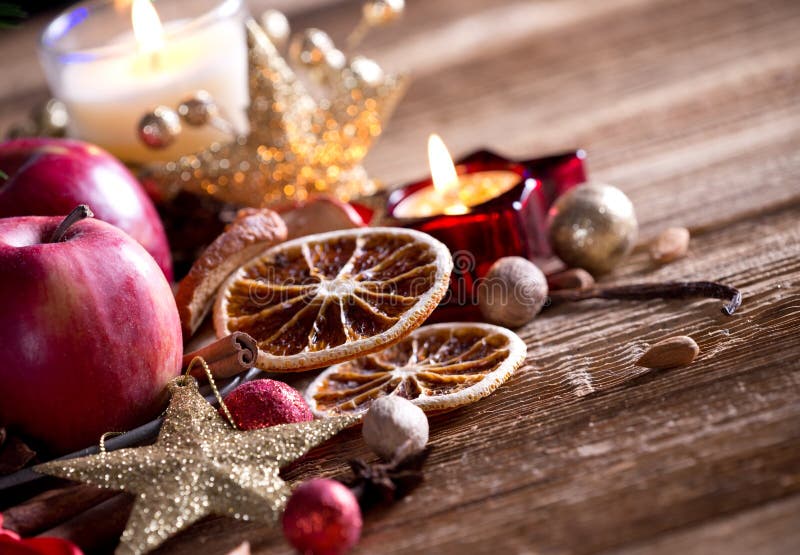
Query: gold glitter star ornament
point(297, 145)
point(199, 465)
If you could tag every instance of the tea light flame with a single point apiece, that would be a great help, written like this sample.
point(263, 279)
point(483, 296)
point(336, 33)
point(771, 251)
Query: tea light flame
point(443, 173)
point(147, 27)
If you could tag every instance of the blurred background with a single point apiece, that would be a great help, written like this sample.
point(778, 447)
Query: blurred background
point(632, 81)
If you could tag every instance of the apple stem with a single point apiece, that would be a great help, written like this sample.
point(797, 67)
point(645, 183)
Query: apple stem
point(78, 213)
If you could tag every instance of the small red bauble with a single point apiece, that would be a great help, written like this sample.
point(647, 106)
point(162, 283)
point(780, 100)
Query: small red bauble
point(261, 403)
point(322, 517)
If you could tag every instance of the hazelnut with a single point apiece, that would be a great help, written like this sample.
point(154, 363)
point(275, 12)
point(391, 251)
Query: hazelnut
point(671, 244)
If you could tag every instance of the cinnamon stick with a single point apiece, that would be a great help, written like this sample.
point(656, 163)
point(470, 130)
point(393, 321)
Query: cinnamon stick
point(98, 527)
point(52, 508)
point(227, 357)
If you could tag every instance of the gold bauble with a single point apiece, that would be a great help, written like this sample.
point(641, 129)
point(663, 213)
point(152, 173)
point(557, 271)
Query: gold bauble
point(593, 227)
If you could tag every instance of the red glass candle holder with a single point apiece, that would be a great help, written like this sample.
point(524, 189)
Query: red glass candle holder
point(511, 224)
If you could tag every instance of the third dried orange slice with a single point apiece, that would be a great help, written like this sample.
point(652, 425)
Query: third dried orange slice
point(322, 299)
point(438, 367)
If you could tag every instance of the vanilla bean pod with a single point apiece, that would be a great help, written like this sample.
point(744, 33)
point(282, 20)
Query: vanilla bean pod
point(647, 291)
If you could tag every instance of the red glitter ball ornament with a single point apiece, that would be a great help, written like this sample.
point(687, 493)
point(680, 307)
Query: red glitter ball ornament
point(322, 517)
point(261, 403)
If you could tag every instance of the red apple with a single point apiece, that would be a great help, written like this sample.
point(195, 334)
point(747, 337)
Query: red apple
point(49, 177)
point(89, 331)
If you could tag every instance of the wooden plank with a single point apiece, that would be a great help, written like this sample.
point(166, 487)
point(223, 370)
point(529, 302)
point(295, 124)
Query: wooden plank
point(767, 530)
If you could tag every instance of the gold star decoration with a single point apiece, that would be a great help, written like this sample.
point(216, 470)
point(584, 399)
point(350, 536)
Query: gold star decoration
point(296, 145)
point(199, 465)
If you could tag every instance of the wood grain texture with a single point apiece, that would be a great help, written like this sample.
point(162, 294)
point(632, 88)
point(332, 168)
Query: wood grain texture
point(693, 108)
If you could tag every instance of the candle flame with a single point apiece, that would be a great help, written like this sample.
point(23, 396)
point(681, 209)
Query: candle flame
point(443, 173)
point(147, 26)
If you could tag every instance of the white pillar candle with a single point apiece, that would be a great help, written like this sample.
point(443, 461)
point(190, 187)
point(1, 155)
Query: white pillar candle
point(108, 87)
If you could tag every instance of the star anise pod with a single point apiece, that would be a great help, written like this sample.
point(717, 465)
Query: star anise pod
point(383, 483)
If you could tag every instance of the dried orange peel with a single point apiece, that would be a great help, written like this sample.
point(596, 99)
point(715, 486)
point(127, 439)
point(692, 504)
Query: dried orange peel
point(253, 231)
point(327, 298)
point(437, 367)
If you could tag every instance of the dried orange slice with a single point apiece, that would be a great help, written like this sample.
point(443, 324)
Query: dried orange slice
point(437, 367)
point(326, 298)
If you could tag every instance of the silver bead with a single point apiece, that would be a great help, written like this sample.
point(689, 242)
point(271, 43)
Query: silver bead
point(198, 109)
point(51, 118)
point(159, 128)
point(276, 26)
point(381, 12)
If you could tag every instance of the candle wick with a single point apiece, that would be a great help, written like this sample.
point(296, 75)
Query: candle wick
point(155, 61)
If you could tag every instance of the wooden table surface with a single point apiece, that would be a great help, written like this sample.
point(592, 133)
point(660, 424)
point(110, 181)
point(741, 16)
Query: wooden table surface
point(692, 107)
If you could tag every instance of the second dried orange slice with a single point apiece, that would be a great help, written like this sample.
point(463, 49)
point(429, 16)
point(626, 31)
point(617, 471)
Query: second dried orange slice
point(326, 298)
point(438, 367)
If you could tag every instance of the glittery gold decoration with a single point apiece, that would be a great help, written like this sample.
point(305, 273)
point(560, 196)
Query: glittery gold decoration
point(296, 145)
point(593, 227)
point(198, 466)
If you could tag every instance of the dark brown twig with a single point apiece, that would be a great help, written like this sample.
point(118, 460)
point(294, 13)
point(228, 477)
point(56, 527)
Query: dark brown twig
point(647, 291)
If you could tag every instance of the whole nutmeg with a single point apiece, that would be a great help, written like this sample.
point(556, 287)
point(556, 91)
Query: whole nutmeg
point(395, 428)
point(513, 292)
point(593, 227)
